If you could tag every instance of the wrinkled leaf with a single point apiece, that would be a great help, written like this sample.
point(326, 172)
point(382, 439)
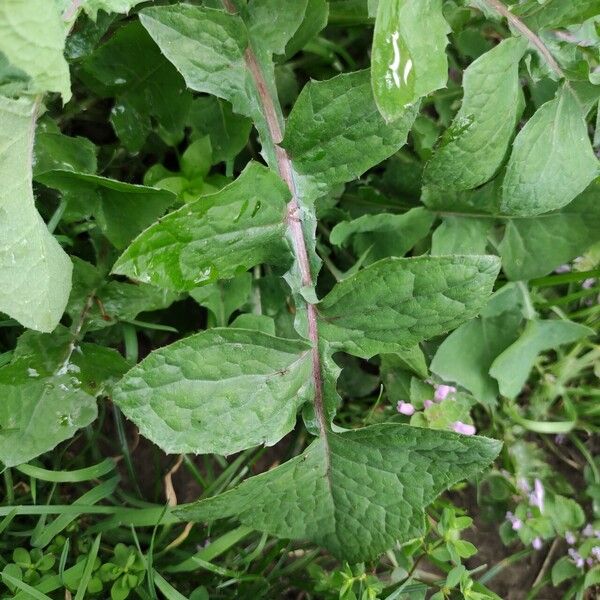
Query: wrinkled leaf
point(474, 146)
point(396, 303)
point(335, 491)
point(335, 132)
point(219, 391)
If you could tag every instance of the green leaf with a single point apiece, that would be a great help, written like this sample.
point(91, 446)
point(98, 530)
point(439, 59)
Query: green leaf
point(554, 14)
point(220, 391)
point(335, 132)
point(467, 354)
point(215, 237)
point(474, 146)
point(409, 53)
point(564, 568)
point(214, 117)
point(92, 7)
point(35, 273)
point(207, 47)
point(49, 390)
point(274, 23)
point(111, 301)
point(396, 303)
point(512, 367)
point(122, 210)
point(224, 297)
point(533, 247)
point(32, 37)
point(355, 493)
point(552, 160)
point(384, 234)
point(461, 235)
point(315, 19)
point(55, 151)
point(146, 87)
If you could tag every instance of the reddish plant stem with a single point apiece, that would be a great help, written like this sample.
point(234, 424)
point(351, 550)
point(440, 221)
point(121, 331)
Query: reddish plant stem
point(294, 218)
point(501, 8)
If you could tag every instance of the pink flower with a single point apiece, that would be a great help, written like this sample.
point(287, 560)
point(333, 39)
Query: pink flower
point(537, 543)
point(536, 498)
point(427, 403)
point(563, 269)
point(576, 558)
point(570, 538)
point(463, 428)
point(405, 408)
point(442, 391)
point(514, 521)
point(588, 283)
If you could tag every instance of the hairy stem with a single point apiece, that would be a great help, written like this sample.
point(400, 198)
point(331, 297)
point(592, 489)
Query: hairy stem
point(272, 111)
point(500, 8)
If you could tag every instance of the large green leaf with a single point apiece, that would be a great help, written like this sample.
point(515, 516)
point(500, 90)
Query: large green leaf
point(512, 367)
point(216, 237)
point(534, 246)
point(32, 37)
point(475, 145)
point(122, 210)
point(552, 160)
point(335, 132)
point(409, 53)
point(399, 302)
point(220, 391)
point(35, 273)
point(556, 13)
point(146, 86)
point(355, 493)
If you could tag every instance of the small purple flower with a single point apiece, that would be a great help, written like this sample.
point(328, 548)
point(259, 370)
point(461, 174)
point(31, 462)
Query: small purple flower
point(427, 403)
point(560, 439)
point(537, 543)
point(514, 521)
point(405, 408)
point(442, 391)
point(563, 269)
point(588, 530)
point(588, 283)
point(523, 485)
point(536, 498)
point(463, 428)
point(570, 537)
point(596, 552)
point(576, 558)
